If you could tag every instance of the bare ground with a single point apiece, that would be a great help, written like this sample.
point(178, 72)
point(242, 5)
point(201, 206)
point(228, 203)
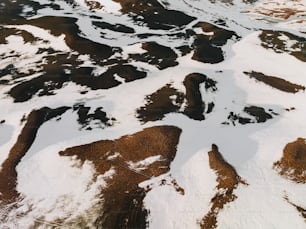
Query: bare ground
point(228, 180)
point(123, 198)
point(292, 165)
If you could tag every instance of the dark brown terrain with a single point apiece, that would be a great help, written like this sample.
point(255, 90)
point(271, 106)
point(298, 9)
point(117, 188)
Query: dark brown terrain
point(122, 198)
point(228, 180)
point(292, 165)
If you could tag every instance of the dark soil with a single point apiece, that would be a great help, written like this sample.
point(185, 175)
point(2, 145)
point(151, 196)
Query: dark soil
point(292, 165)
point(85, 118)
point(154, 15)
point(159, 104)
point(205, 52)
point(195, 105)
point(228, 180)
point(219, 37)
point(259, 113)
point(116, 27)
point(8, 174)
point(123, 206)
point(68, 27)
point(276, 82)
point(93, 5)
point(208, 47)
point(106, 80)
point(271, 40)
point(160, 56)
point(259, 116)
point(169, 100)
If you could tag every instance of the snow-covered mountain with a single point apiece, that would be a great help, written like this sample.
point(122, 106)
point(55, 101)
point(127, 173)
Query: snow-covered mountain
point(153, 114)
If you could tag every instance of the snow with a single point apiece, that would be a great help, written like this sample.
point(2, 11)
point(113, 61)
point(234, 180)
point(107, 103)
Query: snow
point(57, 187)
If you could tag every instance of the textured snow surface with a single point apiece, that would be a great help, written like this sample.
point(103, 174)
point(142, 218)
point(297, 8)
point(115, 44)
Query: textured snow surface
point(61, 191)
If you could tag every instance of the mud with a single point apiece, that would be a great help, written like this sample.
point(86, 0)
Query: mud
point(228, 180)
point(123, 198)
point(276, 82)
point(292, 165)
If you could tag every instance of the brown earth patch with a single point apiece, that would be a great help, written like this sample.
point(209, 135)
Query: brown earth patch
point(6, 32)
point(278, 10)
point(271, 40)
point(67, 26)
point(152, 13)
point(8, 174)
point(276, 82)
point(55, 77)
point(218, 36)
point(172, 183)
point(258, 112)
point(163, 101)
point(228, 180)
point(208, 46)
point(106, 80)
point(292, 165)
point(123, 198)
point(169, 100)
point(160, 56)
point(205, 52)
point(98, 116)
point(260, 115)
point(93, 5)
point(195, 105)
point(113, 27)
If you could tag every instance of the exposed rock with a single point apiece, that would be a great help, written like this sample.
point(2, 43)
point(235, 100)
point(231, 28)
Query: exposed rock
point(228, 180)
point(123, 198)
point(292, 165)
point(276, 82)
